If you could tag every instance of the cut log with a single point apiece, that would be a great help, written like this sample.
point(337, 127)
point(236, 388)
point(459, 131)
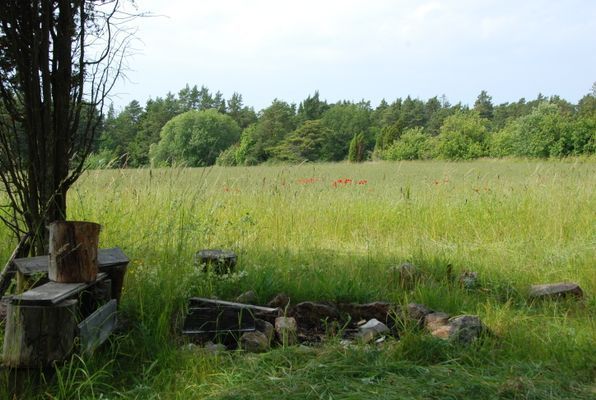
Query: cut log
point(73, 251)
point(37, 336)
point(219, 262)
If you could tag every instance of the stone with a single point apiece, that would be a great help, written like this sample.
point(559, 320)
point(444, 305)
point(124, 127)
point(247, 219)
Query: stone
point(248, 297)
point(214, 348)
point(417, 312)
point(556, 290)
point(466, 328)
point(286, 329)
point(462, 329)
point(405, 275)
point(381, 340)
point(443, 332)
point(435, 320)
point(468, 279)
point(369, 331)
point(281, 300)
point(265, 327)
point(315, 316)
point(254, 342)
point(379, 310)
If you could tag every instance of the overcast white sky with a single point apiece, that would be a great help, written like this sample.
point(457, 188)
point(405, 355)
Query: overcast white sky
point(374, 49)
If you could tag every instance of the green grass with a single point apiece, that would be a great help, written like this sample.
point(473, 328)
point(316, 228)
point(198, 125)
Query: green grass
point(514, 222)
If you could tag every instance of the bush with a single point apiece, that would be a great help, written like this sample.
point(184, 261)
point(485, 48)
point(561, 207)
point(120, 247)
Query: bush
point(357, 148)
point(227, 158)
point(545, 132)
point(195, 138)
point(462, 137)
point(414, 144)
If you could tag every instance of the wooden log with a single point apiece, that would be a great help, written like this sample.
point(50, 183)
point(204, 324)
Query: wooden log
point(36, 336)
point(73, 251)
point(219, 262)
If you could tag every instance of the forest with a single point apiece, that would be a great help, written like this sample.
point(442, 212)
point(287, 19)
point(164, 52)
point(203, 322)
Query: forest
point(199, 128)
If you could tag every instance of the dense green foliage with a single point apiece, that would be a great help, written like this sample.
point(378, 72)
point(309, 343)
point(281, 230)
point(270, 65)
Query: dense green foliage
point(405, 129)
point(194, 138)
point(516, 223)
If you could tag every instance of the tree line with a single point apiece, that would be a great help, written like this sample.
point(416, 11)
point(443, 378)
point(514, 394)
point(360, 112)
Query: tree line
point(198, 128)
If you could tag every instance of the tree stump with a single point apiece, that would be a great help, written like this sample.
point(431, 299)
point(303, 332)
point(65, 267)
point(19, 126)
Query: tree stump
point(36, 336)
point(218, 261)
point(73, 251)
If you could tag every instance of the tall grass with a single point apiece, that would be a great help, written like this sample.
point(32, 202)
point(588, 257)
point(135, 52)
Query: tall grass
point(514, 222)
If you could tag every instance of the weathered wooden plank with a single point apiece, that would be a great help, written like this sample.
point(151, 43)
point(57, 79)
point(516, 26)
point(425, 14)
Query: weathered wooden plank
point(105, 258)
point(37, 336)
point(96, 328)
point(213, 317)
point(200, 301)
point(52, 292)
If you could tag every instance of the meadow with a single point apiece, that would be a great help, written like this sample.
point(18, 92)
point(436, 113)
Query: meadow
point(332, 232)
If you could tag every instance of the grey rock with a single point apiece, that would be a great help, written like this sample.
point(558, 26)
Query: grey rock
point(418, 312)
point(466, 328)
point(405, 275)
point(265, 327)
point(286, 329)
point(248, 297)
point(468, 279)
point(281, 300)
point(372, 329)
point(435, 320)
point(254, 342)
point(556, 290)
point(463, 329)
point(214, 348)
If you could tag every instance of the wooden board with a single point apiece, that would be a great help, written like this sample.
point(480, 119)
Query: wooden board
point(52, 292)
point(105, 258)
point(208, 316)
point(96, 328)
point(202, 302)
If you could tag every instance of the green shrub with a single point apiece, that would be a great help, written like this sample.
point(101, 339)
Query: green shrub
point(462, 137)
point(227, 158)
point(414, 144)
point(195, 138)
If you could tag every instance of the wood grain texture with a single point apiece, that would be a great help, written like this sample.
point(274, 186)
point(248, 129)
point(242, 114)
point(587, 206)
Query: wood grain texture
point(36, 336)
point(73, 251)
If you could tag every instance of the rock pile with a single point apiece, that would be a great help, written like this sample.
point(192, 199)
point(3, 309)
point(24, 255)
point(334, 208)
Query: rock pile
point(312, 322)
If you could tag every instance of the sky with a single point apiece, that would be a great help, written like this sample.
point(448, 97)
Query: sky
point(353, 50)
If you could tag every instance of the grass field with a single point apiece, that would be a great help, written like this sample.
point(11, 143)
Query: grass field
point(299, 230)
